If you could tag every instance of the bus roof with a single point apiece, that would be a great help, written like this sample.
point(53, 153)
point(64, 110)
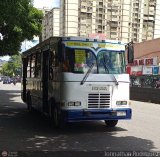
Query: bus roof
point(90, 40)
point(52, 40)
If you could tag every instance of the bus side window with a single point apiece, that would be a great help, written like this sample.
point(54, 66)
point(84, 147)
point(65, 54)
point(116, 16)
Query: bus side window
point(52, 62)
point(33, 61)
point(38, 66)
point(68, 61)
point(29, 67)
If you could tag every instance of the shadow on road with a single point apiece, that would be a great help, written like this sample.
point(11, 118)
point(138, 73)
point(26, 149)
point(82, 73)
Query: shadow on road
point(20, 130)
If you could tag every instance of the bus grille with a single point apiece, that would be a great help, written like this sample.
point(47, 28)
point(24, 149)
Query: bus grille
point(98, 100)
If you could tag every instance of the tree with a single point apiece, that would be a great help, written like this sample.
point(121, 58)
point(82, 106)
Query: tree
point(12, 67)
point(19, 21)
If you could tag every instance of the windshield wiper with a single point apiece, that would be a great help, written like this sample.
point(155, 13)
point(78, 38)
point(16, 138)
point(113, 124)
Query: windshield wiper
point(107, 69)
point(117, 83)
point(87, 74)
point(105, 66)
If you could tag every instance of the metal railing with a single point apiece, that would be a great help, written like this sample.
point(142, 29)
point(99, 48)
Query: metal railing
point(146, 81)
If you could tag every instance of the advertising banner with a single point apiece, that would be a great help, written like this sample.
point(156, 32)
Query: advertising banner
point(128, 70)
point(145, 61)
point(136, 70)
point(147, 70)
point(155, 70)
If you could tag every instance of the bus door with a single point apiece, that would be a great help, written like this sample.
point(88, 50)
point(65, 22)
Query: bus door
point(24, 75)
point(45, 73)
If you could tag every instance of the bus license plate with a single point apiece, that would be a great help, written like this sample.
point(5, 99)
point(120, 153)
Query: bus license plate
point(121, 113)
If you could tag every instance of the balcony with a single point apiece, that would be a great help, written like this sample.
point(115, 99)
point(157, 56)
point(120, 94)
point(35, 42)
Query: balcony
point(100, 5)
point(89, 10)
point(83, 9)
point(83, 3)
point(151, 13)
point(113, 25)
point(115, 18)
point(83, 21)
point(89, 21)
point(151, 18)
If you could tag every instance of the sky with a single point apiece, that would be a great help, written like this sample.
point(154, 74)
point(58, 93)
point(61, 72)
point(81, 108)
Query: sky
point(46, 3)
point(38, 4)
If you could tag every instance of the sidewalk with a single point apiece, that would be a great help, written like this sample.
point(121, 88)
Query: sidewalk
point(18, 84)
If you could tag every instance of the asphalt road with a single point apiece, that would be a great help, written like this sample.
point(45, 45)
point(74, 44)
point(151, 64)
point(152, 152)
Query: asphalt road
point(22, 131)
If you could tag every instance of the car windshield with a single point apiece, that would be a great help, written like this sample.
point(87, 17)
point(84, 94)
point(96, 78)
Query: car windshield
point(80, 61)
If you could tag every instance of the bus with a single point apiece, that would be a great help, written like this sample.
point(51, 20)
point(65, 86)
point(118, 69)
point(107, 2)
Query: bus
point(73, 79)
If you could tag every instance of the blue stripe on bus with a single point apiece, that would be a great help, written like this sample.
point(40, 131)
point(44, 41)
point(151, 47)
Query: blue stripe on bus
point(93, 81)
point(97, 114)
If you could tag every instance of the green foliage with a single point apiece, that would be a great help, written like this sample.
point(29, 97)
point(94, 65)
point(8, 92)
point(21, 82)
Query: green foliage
point(19, 20)
point(12, 67)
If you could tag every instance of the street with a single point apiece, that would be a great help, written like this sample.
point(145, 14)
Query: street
point(22, 131)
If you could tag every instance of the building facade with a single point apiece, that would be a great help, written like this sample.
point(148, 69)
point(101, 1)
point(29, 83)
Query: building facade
point(147, 49)
point(124, 20)
point(50, 24)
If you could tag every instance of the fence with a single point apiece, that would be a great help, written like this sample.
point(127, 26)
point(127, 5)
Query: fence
point(146, 81)
point(145, 88)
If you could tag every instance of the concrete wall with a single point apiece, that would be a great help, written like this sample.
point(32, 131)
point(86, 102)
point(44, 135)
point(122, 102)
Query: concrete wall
point(148, 49)
point(149, 94)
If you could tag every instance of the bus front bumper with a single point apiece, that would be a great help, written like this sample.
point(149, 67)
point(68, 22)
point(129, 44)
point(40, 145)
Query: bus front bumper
point(99, 114)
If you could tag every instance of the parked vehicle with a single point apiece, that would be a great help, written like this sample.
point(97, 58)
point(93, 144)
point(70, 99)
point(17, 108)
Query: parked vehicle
point(14, 81)
point(7, 80)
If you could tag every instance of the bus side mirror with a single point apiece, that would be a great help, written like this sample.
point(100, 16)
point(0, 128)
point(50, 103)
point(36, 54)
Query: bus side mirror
point(130, 51)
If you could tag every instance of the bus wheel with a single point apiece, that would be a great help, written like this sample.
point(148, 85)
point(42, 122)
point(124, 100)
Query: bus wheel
point(29, 103)
point(111, 123)
point(58, 119)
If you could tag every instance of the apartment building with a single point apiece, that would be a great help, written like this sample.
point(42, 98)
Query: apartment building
point(124, 20)
point(82, 17)
point(45, 10)
point(157, 20)
point(50, 24)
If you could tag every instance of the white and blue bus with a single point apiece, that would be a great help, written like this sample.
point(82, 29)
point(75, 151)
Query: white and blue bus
point(77, 79)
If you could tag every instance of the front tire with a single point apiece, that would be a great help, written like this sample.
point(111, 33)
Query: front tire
point(111, 123)
point(57, 118)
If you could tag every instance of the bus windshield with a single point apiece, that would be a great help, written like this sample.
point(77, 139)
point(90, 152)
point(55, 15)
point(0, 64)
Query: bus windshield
point(111, 62)
point(80, 61)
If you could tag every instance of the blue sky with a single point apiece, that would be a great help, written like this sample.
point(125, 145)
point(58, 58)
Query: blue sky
point(46, 3)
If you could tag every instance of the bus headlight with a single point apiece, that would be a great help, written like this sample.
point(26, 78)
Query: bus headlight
point(77, 103)
point(71, 103)
point(121, 102)
point(74, 103)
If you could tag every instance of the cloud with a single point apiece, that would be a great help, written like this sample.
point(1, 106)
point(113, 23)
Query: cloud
point(46, 3)
point(28, 44)
point(43, 3)
point(5, 58)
